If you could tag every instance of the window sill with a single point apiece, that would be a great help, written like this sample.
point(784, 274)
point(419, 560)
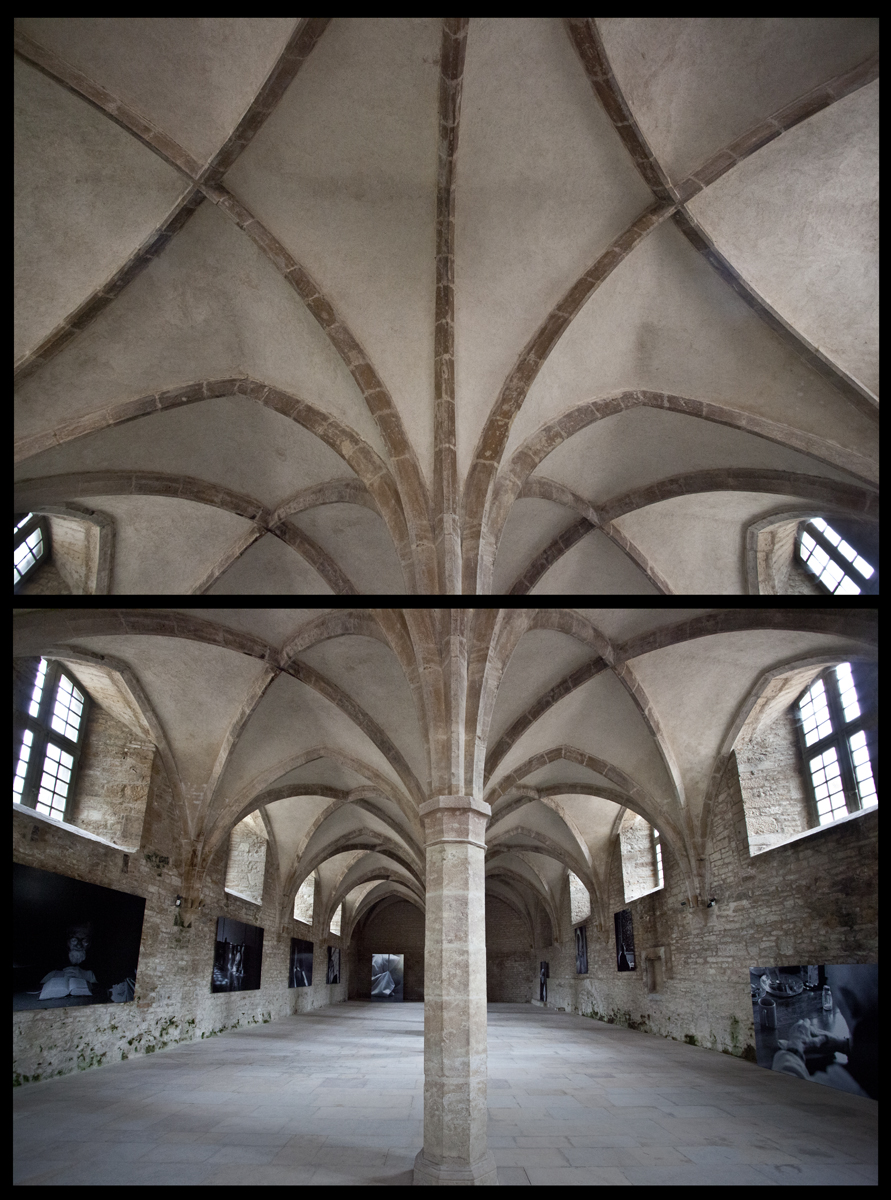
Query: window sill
point(33, 814)
point(755, 850)
point(242, 896)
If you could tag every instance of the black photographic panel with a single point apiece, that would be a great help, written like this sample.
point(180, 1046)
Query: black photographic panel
point(333, 965)
point(819, 1023)
point(581, 951)
point(625, 960)
point(300, 972)
point(237, 957)
point(74, 943)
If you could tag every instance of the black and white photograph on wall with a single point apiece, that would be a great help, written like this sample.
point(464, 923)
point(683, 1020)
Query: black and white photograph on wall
point(543, 982)
point(333, 965)
point(625, 960)
point(581, 951)
point(73, 943)
point(386, 976)
point(300, 973)
point(819, 1023)
point(237, 956)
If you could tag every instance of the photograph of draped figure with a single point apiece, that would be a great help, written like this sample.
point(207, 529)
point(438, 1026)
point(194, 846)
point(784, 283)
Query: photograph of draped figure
point(333, 965)
point(387, 976)
point(300, 971)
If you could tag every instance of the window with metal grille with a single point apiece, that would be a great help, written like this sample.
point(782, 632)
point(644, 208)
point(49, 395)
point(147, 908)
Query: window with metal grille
point(837, 728)
point(30, 547)
point(839, 568)
point(49, 743)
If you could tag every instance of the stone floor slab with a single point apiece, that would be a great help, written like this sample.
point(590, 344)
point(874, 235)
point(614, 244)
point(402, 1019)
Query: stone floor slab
point(335, 1097)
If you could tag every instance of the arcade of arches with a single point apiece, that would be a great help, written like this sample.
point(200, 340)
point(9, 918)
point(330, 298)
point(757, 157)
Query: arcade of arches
point(465, 787)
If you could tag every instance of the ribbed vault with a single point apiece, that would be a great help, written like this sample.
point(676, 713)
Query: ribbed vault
point(436, 306)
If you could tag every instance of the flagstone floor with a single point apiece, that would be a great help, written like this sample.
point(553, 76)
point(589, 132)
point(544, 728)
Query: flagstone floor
point(335, 1097)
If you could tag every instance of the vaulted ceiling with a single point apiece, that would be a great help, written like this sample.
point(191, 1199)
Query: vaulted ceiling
point(383, 305)
point(328, 723)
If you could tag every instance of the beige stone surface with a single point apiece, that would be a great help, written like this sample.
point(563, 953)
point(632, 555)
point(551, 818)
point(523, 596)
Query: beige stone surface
point(798, 220)
point(697, 83)
point(193, 77)
point(87, 196)
point(433, 240)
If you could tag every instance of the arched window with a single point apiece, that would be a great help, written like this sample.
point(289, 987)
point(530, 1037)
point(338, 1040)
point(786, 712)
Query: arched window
point(839, 568)
point(30, 547)
point(50, 742)
point(336, 919)
point(837, 728)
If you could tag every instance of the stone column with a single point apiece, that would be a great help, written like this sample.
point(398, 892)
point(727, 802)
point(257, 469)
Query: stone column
point(455, 1149)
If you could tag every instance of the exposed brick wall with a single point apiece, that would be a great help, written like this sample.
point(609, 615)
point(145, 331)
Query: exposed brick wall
point(809, 901)
point(507, 954)
point(398, 928)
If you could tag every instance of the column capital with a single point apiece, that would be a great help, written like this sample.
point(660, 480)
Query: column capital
point(455, 819)
point(438, 803)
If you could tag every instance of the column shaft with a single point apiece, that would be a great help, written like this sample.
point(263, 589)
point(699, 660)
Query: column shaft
point(455, 1149)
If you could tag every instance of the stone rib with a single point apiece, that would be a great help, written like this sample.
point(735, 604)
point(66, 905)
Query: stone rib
point(94, 304)
point(536, 447)
point(445, 467)
point(586, 38)
point(493, 439)
point(344, 441)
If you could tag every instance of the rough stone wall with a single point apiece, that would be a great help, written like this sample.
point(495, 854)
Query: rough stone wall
point(246, 864)
point(113, 780)
point(397, 928)
point(773, 790)
point(47, 580)
point(507, 954)
point(173, 1000)
point(638, 861)
point(809, 901)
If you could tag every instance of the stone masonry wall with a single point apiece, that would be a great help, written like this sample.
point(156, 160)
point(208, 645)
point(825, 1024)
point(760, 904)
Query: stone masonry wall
point(246, 865)
point(638, 861)
point(173, 1001)
point(809, 901)
point(507, 954)
point(772, 785)
point(397, 928)
point(113, 781)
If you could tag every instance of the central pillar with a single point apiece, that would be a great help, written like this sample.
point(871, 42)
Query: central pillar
point(455, 1148)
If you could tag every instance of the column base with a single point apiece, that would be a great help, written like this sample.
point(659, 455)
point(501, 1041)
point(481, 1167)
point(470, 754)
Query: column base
point(478, 1174)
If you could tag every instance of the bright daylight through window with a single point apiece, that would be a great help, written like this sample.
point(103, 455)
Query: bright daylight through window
point(837, 565)
point(50, 744)
point(29, 547)
point(834, 728)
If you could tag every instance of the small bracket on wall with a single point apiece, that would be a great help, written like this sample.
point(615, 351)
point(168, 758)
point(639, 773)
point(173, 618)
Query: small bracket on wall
point(35, 833)
point(125, 864)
